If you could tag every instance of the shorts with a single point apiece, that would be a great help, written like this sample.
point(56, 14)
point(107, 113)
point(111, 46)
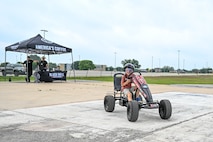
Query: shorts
point(127, 90)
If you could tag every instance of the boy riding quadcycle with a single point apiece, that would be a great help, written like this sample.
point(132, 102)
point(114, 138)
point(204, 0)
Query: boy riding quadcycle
point(134, 97)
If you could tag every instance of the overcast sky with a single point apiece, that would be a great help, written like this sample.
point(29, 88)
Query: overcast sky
point(109, 31)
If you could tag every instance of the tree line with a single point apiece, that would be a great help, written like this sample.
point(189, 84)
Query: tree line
point(89, 65)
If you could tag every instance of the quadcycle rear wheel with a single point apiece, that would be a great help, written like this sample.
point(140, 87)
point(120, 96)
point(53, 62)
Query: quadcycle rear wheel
point(165, 109)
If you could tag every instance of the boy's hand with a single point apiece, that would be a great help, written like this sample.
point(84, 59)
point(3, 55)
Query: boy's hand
point(129, 80)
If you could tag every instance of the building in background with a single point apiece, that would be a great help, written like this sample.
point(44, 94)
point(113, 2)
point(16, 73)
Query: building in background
point(100, 67)
point(68, 67)
point(65, 67)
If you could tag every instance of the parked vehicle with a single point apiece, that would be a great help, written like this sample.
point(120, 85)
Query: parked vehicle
point(16, 69)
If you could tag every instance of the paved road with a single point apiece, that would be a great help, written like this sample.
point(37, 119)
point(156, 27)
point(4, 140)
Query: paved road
point(88, 122)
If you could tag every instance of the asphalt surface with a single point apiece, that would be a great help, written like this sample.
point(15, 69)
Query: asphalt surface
point(191, 121)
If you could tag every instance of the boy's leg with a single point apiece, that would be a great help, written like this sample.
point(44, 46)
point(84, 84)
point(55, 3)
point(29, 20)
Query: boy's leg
point(128, 93)
point(129, 96)
point(137, 93)
point(138, 96)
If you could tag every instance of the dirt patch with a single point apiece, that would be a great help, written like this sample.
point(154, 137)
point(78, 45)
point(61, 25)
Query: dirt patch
point(17, 95)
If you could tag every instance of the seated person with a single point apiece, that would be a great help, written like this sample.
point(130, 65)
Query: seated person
point(43, 65)
point(42, 75)
point(57, 68)
point(126, 82)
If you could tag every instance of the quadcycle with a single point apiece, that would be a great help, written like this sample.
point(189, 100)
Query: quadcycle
point(133, 107)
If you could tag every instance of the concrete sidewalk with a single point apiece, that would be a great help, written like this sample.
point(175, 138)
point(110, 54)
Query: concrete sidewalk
point(192, 120)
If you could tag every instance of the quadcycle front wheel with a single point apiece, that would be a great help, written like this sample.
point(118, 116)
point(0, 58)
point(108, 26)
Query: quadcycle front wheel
point(109, 103)
point(132, 111)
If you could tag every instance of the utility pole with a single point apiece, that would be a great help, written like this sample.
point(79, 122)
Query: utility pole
point(115, 60)
point(152, 64)
point(183, 64)
point(44, 32)
point(178, 61)
point(159, 63)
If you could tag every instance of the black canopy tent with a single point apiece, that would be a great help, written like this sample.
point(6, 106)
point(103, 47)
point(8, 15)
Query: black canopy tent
point(39, 45)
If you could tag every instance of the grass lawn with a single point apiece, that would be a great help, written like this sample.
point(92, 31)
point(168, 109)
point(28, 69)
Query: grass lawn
point(195, 79)
point(200, 79)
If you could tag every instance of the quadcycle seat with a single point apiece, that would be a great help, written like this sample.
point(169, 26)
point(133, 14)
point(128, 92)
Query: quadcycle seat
point(117, 81)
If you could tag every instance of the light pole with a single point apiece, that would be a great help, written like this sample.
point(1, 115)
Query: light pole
point(183, 64)
point(178, 61)
point(79, 61)
point(159, 63)
point(20, 57)
point(152, 64)
point(44, 32)
point(115, 60)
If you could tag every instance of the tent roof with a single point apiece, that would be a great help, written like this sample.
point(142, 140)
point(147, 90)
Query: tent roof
point(38, 45)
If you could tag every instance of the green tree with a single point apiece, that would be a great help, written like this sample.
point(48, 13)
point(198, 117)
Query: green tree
point(52, 65)
point(195, 70)
point(119, 69)
point(167, 69)
point(86, 65)
point(35, 57)
point(133, 61)
point(3, 64)
point(76, 65)
point(110, 68)
point(205, 70)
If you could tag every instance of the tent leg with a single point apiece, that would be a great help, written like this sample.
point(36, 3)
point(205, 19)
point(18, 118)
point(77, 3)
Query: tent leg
point(27, 76)
point(49, 61)
point(5, 65)
point(73, 67)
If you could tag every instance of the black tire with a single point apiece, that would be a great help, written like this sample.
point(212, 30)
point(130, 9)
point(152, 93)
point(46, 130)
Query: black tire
point(16, 73)
point(132, 111)
point(165, 109)
point(109, 103)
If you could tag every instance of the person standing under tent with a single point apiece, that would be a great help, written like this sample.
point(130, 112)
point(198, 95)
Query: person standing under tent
point(43, 65)
point(29, 68)
point(42, 74)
